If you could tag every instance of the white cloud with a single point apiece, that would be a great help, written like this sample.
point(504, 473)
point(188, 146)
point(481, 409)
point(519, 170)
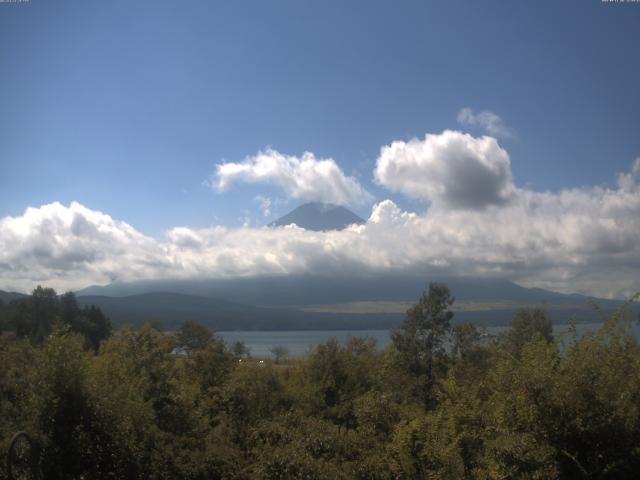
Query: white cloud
point(583, 240)
point(265, 205)
point(629, 181)
point(306, 178)
point(245, 219)
point(576, 240)
point(487, 120)
point(70, 246)
point(451, 169)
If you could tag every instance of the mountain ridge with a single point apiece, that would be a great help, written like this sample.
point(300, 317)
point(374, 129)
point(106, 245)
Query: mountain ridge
point(320, 289)
point(318, 216)
point(325, 303)
point(7, 297)
point(301, 302)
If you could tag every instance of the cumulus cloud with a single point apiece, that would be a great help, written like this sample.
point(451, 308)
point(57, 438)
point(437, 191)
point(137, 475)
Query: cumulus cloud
point(581, 240)
point(70, 246)
point(306, 178)
point(486, 120)
point(629, 181)
point(451, 169)
point(479, 222)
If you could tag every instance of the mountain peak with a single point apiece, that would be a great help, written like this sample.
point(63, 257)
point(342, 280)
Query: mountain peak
point(319, 216)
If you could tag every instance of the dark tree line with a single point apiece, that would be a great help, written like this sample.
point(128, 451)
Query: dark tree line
point(442, 401)
point(35, 317)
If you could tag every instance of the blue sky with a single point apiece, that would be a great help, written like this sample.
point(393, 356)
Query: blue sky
point(142, 140)
point(127, 107)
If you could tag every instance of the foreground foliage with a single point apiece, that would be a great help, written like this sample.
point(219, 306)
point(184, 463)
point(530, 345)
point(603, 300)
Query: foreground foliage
point(440, 402)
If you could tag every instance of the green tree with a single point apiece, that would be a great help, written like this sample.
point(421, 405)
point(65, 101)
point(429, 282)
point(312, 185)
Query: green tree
point(34, 316)
point(94, 325)
point(334, 376)
point(89, 321)
point(527, 326)
point(153, 406)
point(18, 378)
point(420, 339)
point(279, 352)
point(240, 349)
point(65, 418)
point(193, 336)
point(596, 392)
point(211, 365)
point(252, 393)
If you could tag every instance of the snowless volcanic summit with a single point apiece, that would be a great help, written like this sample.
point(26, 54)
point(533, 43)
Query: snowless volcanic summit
point(319, 217)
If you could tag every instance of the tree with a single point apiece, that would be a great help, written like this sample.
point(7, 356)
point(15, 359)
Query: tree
point(469, 347)
point(279, 352)
point(90, 321)
point(212, 364)
point(465, 338)
point(240, 349)
point(34, 316)
point(97, 326)
point(527, 326)
point(420, 339)
point(251, 394)
point(153, 405)
point(64, 414)
point(68, 310)
point(334, 376)
point(3, 317)
point(194, 336)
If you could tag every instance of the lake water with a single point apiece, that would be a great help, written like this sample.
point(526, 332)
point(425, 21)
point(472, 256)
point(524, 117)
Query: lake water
point(300, 342)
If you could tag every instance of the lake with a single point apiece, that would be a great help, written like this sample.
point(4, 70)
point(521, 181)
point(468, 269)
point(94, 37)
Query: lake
point(300, 342)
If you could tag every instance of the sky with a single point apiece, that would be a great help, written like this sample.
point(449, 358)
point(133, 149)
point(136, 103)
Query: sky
point(142, 139)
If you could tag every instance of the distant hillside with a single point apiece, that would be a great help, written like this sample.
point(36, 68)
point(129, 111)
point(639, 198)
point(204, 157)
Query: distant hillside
point(314, 302)
point(319, 217)
point(300, 290)
point(171, 309)
point(6, 297)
